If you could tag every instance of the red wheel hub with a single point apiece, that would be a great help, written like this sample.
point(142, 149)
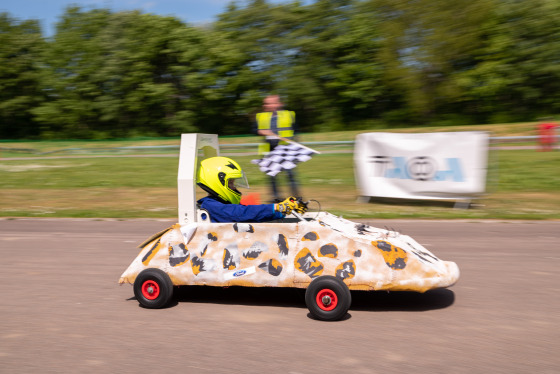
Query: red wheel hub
point(326, 299)
point(150, 290)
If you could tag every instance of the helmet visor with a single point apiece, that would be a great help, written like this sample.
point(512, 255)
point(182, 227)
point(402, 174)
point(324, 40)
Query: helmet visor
point(240, 182)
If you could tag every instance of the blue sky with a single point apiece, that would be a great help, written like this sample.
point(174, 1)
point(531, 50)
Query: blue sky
point(48, 11)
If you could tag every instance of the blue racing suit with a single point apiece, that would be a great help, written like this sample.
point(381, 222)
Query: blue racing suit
point(220, 212)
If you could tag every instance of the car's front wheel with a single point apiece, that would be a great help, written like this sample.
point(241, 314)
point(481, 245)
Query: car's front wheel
point(328, 298)
point(153, 288)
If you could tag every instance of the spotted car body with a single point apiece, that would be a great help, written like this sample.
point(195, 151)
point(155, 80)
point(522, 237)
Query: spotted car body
point(292, 254)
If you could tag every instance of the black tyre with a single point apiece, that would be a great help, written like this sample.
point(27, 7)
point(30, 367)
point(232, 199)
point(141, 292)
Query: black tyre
point(328, 298)
point(153, 288)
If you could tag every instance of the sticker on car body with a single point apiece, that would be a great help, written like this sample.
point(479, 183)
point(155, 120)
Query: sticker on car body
point(239, 273)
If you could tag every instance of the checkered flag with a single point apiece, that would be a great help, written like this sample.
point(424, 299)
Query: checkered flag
point(284, 157)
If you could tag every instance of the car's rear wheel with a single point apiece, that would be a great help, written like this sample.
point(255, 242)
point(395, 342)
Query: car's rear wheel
point(153, 288)
point(328, 298)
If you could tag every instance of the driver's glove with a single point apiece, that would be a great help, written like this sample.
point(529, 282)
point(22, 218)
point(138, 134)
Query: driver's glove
point(301, 207)
point(287, 206)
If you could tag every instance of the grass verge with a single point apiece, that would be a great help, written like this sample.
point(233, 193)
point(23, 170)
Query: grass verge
point(522, 184)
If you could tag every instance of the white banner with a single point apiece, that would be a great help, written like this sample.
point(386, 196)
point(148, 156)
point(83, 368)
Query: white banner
point(430, 166)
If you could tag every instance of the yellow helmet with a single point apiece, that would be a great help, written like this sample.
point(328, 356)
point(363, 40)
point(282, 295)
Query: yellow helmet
point(220, 177)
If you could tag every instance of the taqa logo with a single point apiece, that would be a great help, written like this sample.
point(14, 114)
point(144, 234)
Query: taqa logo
point(421, 168)
point(239, 273)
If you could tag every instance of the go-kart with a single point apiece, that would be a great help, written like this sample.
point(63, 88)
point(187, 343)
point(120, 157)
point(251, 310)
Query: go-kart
point(327, 255)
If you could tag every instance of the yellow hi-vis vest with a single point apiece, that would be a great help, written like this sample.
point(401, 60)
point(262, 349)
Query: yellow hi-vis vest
point(284, 125)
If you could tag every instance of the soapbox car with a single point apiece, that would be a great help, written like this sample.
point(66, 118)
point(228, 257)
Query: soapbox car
point(325, 254)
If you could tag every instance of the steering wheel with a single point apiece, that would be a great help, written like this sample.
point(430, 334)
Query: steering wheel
point(306, 204)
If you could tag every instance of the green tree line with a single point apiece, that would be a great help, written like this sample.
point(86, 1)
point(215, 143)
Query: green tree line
point(340, 64)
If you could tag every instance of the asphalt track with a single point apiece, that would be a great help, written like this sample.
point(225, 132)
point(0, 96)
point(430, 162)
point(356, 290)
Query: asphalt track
point(62, 310)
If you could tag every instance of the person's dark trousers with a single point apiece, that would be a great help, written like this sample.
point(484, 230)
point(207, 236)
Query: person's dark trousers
point(293, 185)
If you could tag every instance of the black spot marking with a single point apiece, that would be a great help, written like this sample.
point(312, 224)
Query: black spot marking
point(243, 227)
point(395, 257)
point(384, 246)
point(328, 250)
point(424, 256)
point(398, 264)
point(361, 229)
point(212, 237)
point(251, 255)
point(256, 249)
point(204, 251)
point(346, 270)
point(309, 265)
point(272, 267)
point(178, 255)
point(283, 245)
point(358, 253)
point(311, 236)
point(229, 261)
point(198, 265)
point(151, 253)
